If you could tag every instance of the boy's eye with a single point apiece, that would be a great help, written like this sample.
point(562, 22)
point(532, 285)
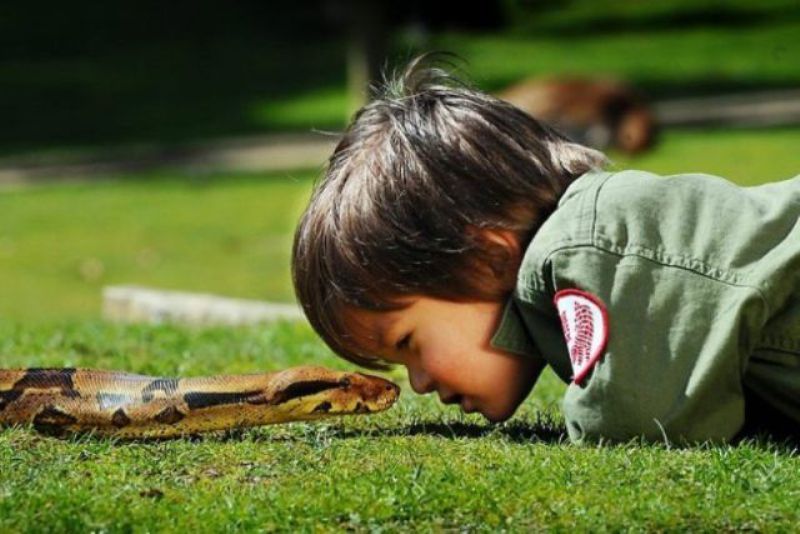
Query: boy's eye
point(404, 342)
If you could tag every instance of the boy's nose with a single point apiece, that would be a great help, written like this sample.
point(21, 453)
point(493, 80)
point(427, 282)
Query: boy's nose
point(421, 383)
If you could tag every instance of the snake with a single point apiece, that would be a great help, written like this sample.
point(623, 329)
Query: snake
point(62, 401)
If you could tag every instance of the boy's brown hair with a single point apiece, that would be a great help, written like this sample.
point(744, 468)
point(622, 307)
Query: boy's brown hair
point(420, 170)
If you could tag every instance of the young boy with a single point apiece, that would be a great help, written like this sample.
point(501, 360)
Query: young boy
point(461, 238)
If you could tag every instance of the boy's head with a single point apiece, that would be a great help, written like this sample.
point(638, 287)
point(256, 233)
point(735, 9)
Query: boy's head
point(433, 191)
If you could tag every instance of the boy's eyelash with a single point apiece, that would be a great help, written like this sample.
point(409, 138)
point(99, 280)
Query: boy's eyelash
point(404, 342)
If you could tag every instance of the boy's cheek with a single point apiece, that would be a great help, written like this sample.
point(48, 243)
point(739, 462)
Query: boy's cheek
point(503, 399)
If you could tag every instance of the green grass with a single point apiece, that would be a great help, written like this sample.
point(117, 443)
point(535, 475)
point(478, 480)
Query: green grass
point(419, 466)
point(747, 157)
point(226, 234)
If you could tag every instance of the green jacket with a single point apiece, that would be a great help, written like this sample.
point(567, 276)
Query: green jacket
point(670, 305)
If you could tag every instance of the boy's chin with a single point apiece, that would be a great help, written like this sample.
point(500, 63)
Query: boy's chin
point(494, 416)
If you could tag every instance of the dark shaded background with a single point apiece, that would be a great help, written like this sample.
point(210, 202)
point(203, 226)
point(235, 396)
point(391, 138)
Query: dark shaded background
point(96, 72)
point(93, 73)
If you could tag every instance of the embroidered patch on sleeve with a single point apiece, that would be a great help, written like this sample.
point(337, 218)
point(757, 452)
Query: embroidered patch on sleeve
point(584, 320)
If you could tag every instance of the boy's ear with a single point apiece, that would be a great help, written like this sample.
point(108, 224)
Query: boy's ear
point(504, 253)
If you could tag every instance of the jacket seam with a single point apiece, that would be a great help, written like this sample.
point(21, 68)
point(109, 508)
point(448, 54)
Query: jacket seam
point(667, 259)
point(629, 251)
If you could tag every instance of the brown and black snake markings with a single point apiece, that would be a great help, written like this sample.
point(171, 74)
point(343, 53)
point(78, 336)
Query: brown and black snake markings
point(64, 400)
point(40, 378)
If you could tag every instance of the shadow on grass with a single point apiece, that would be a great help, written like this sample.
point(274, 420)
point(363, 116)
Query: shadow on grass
point(542, 430)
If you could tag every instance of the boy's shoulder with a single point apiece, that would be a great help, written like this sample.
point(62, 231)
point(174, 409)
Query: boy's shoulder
point(696, 221)
point(596, 197)
point(596, 201)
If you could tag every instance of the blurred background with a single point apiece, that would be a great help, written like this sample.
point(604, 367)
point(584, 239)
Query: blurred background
point(174, 144)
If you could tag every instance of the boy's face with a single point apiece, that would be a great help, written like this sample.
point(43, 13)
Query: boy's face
point(445, 347)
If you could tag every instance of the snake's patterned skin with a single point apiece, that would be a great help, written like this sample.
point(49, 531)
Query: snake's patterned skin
point(108, 403)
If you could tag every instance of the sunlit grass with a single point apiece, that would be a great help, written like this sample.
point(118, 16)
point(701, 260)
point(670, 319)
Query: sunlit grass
point(747, 157)
point(419, 466)
point(226, 234)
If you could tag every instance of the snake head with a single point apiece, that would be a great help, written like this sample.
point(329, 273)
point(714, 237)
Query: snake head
point(319, 392)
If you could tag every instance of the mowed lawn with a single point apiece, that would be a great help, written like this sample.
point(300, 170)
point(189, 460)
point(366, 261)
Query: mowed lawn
point(419, 466)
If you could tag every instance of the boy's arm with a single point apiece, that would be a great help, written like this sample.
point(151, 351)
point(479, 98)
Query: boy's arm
point(658, 351)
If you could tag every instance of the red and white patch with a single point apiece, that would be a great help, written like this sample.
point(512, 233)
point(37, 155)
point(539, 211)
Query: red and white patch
point(584, 320)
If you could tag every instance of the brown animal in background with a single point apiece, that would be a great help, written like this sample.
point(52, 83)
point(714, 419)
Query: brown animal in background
point(598, 113)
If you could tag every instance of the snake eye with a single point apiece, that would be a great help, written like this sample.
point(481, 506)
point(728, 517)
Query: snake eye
point(345, 382)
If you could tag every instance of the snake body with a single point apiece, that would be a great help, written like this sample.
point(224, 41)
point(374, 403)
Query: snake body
point(68, 400)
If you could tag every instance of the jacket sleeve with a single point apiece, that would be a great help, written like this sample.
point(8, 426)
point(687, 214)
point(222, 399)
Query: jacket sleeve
point(675, 349)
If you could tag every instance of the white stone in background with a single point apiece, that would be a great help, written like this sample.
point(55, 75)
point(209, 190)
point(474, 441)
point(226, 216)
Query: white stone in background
point(764, 108)
point(133, 304)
